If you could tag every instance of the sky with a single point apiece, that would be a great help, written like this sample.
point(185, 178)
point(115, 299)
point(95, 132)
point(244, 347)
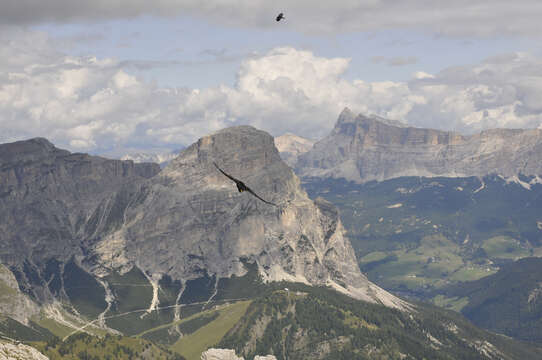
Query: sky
point(122, 76)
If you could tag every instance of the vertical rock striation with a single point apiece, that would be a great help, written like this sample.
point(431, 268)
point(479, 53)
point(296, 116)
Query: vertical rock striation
point(186, 221)
point(190, 220)
point(53, 203)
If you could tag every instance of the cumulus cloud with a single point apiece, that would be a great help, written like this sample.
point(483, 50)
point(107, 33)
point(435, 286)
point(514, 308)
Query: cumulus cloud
point(503, 91)
point(92, 104)
point(458, 17)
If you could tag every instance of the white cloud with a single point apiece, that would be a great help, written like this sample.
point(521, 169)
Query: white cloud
point(458, 17)
point(504, 91)
point(90, 104)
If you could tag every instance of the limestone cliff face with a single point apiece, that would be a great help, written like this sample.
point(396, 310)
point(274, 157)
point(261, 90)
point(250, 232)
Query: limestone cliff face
point(290, 146)
point(13, 303)
point(369, 148)
point(52, 202)
point(10, 351)
point(185, 221)
point(228, 354)
point(220, 354)
point(190, 219)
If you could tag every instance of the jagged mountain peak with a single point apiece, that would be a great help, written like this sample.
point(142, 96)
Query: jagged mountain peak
point(190, 219)
point(346, 116)
point(229, 146)
point(244, 152)
point(186, 221)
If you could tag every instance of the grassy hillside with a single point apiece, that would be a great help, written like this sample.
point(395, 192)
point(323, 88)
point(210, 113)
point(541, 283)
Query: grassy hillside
point(84, 292)
point(302, 323)
point(508, 302)
point(192, 345)
point(84, 346)
point(413, 235)
point(318, 323)
point(13, 329)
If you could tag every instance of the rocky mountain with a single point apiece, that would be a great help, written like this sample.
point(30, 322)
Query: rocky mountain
point(290, 146)
point(190, 220)
point(74, 211)
point(177, 257)
point(52, 203)
point(362, 149)
point(13, 302)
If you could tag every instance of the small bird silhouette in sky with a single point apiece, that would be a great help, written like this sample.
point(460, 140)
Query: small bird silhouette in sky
point(280, 17)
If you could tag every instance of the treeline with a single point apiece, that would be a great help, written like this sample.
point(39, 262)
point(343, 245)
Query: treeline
point(320, 323)
point(109, 347)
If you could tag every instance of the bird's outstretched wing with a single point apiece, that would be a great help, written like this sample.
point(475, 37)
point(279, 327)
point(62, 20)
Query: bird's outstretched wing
point(265, 201)
point(242, 184)
point(229, 176)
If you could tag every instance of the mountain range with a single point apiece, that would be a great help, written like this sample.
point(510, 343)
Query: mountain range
point(450, 219)
point(74, 218)
point(364, 148)
point(173, 261)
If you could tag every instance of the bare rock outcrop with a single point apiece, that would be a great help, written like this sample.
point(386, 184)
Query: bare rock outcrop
point(190, 219)
point(290, 146)
point(186, 221)
point(362, 149)
point(227, 354)
point(13, 302)
point(53, 202)
point(220, 354)
point(10, 351)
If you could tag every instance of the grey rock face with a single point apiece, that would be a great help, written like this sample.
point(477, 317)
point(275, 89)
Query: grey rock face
point(9, 351)
point(53, 202)
point(13, 303)
point(290, 146)
point(185, 221)
point(363, 148)
point(220, 354)
point(228, 354)
point(190, 219)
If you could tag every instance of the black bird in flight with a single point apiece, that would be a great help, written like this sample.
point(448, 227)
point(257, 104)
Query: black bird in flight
point(242, 187)
point(280, 17)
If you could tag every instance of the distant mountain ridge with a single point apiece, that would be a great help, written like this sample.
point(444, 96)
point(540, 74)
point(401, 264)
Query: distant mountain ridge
point(362, 148)
point(290, 146)
point(161, 158)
